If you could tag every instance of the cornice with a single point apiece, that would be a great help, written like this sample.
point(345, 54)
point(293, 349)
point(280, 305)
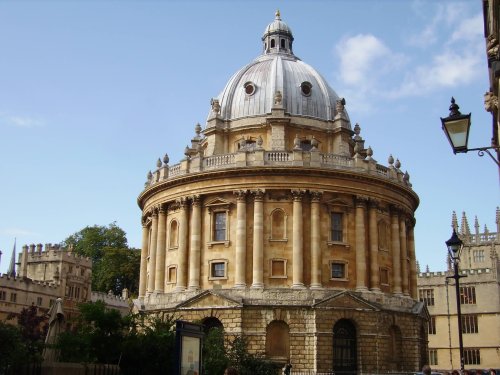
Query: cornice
point(239, 173)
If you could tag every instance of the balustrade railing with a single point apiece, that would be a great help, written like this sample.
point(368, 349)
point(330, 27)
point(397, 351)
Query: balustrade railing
point(273, 158)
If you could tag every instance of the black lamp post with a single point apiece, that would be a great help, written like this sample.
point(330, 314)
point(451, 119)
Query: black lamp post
point(455, 245)
point(456, 127)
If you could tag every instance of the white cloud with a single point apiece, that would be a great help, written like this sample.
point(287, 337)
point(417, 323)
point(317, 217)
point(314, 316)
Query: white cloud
point(20, 121)
point(368, 67)
point(470, 29)
point(442, 16)
point(363, 58)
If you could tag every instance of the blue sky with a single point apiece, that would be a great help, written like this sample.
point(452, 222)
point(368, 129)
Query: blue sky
point(92, 93)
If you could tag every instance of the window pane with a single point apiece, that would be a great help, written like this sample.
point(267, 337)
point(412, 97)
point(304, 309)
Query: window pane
point(220, 226)
point(336, 222)
point(218, 269)
point(338, 270)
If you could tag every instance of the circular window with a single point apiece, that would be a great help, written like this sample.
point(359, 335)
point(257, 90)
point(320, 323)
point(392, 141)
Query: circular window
point(305, 88)
point(249, 88)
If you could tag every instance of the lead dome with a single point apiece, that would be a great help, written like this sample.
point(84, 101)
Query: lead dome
point(251, 90)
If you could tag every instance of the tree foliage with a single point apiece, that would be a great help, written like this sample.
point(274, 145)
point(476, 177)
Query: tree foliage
point(13, 348)
point(115, 266)
point(118, 269)
point(220, 353)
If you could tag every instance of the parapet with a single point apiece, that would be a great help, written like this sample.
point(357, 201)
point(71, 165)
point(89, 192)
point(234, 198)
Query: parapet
point(53, 252)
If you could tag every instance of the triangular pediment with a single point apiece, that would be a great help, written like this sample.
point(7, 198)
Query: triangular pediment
point(218, 202)
point(345, 300)
point(421, 310)
point(209, 299)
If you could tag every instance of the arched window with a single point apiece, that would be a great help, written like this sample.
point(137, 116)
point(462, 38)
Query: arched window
point(278, 340)
point(278, 225)
point(273, 43)
point(174, 235)
point(282, 43)
point(395, 348)
point(344, 347)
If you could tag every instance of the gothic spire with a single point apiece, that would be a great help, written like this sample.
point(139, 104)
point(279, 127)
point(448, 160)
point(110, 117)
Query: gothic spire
point(12, 266)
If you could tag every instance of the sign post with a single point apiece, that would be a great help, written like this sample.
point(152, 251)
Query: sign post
point(189, 346)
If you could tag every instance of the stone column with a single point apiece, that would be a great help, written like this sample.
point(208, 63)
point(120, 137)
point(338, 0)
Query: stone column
point(258, 240)
point(183, 250)
point(373, 232)
point(143, 273)
point(195, 246)
point(160, 250)
point(413, 260)
point(396, 252)
point(404, 255)
point(298, 247)
point(315, 240)
point(152, 251)
point(360, 244)
point(241, 239)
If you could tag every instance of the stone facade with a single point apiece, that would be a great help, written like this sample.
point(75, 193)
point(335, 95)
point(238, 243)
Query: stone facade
point(279, 225)
point(480, 302)
point(45, 274)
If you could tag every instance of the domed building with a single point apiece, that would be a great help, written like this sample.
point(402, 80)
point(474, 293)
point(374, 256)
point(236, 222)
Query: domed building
point(279, 225)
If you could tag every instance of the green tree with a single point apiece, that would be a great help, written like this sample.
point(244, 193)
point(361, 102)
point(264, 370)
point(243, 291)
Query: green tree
point(215, 358)
point(98, 336)
point(118, 269)
point(91, 241)
point(13, 350)
point(149, 348)
point(114, 265)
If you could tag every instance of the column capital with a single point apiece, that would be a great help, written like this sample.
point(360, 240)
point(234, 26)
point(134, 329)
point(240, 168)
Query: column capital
point(395, 209)
point(374, 203)
point(196, 200)
point(182, 202)
point(258, 194)
point(241, 195)
point(361, 200)
point(162, 208)
point(315, 195)
point(154, 211)
point(297, 194)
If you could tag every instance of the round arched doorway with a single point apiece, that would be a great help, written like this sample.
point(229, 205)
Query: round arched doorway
point(344, 348)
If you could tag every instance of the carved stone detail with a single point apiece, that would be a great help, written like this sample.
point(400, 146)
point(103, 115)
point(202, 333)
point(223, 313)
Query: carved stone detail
point(490, 102)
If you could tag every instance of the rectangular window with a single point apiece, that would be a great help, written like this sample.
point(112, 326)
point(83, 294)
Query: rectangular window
point(278, 268)
point(469, 324)
point(3, 295)
point(337, 233)
point(426, 296)
point(219, 226)
point(472, 357)
point(478, 256)
point(432, 325)
point(467, 295)
point(13, 297)
point(338, 270)
point(218, 269)
point(39, 301)
point(433, 357)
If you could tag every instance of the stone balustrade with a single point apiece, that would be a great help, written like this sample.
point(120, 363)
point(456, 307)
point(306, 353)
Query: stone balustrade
point(295, 158)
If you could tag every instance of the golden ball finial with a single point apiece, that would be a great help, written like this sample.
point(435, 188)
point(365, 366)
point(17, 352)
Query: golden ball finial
point(277, 14)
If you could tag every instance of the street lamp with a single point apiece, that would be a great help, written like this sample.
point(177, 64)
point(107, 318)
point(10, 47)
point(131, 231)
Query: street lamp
point(455, 246)
point(456, 127)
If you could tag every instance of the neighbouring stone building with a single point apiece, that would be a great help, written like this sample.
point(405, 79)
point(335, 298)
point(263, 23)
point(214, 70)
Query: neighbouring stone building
point(479, 299)
point(279, 225)
point(45, 274)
